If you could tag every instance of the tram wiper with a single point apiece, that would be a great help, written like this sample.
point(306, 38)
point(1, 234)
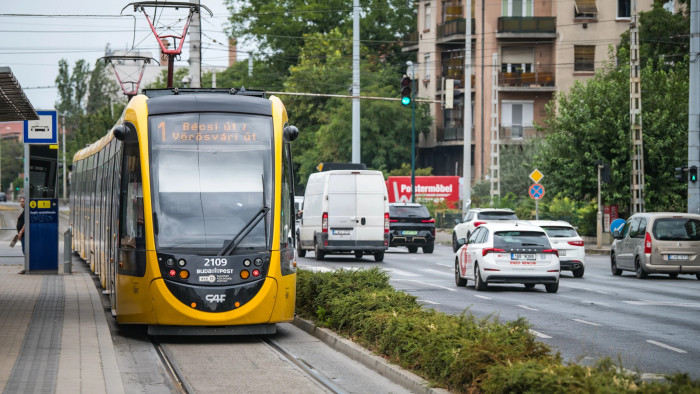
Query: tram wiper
point(231, 246)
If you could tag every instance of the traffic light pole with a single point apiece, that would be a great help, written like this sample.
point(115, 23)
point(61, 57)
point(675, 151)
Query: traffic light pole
point(693, 108)
point(413, 135)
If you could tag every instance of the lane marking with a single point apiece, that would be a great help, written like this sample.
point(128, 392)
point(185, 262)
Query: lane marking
point(586, 322)
point(527, 307)
point(424, 283)
point(400, 272)
point(665, 346)
point(484, 297)
point(539, 334)
point(429, 302)
point(663, 303)
point(446, 265)
point(441, 272)
point(595, 303)
point(588, 289)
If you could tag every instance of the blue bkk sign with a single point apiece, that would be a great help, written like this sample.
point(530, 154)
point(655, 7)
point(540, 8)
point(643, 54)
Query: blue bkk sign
point(42, 131)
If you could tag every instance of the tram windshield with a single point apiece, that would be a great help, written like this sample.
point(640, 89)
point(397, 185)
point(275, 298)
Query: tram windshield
point(210, 173)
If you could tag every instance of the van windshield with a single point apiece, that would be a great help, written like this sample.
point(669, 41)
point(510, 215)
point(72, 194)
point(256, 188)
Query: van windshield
point(677, 229)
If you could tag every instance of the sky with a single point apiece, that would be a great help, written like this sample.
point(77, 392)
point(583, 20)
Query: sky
point(81, 29)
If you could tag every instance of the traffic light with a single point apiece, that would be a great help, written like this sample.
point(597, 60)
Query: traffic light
point(605, 174)
point(680, 173)
point(693, 174)
point(405, 90)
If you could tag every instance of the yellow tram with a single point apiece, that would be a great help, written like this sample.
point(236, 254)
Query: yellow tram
point(185, 211)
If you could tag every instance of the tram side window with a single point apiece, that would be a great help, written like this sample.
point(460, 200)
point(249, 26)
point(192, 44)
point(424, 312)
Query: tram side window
point(131, 223)
point(287, 206)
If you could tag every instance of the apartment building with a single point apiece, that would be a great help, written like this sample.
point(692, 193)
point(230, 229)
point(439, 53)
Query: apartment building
point(523, 52)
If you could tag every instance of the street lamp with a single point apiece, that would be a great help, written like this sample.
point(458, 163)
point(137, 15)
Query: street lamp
point(412, 72)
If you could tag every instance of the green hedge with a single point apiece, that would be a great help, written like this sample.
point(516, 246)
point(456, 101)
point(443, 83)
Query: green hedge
point(460, 353)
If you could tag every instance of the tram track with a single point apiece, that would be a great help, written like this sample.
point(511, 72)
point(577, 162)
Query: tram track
point(173, 371)
point(304, 366)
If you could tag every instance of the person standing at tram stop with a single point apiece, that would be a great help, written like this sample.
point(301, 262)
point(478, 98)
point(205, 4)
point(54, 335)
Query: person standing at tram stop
point(20, 226)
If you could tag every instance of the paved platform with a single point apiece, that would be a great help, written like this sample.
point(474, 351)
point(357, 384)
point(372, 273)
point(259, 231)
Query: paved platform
point(54, 336)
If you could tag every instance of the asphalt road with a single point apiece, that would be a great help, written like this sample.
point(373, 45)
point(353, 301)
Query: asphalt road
point(650, 325)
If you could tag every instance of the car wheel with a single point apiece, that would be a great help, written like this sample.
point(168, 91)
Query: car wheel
point(320, 255)
point(300, 252)
point(529, 285)
point(613, 265)
point(428, 248)
point(639, 270)
point(459, 281)
point(412, 249)
point(455, 246)
point(553, 288)
point(673, 275)
point(479, 283)
point(358, 255)
point(578, 273)
point(379, 256)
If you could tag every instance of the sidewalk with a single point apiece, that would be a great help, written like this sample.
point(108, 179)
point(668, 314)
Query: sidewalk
point(54, 335)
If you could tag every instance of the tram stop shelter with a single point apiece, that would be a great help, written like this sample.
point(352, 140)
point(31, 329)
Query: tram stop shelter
point(14, 105)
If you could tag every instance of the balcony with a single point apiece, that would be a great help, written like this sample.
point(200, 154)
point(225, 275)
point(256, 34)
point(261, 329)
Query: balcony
point(517, 134)
point(542, 79)
point(452, 135)
point(542, 27)
point(410, 42)
point(453, 31)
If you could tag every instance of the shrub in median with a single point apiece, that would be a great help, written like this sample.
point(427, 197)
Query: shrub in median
point(461, 353)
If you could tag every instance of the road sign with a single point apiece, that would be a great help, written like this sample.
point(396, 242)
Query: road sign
point(616, 225)
point(42, 131)
point(536, 191)
point(536, 176)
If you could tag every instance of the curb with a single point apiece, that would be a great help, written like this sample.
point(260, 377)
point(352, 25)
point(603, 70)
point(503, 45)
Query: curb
point(602, 252)
point(403, 378)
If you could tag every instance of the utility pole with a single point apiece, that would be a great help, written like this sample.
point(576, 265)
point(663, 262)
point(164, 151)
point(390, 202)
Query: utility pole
point(495, 136)
point(637, 174)
point(63, 143)
point(694, 106)
point(467, 155)
point(196, 48)
point(356, 157)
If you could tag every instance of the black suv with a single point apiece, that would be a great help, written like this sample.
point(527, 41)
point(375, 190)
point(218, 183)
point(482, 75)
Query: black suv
point(410, 225)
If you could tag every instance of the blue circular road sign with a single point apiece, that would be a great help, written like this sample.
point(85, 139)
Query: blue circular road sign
point(616, 225)
point(536, 191)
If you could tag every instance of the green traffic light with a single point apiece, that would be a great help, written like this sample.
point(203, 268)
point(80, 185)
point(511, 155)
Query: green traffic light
point(405, 100)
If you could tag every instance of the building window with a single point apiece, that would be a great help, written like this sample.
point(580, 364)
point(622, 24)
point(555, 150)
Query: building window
point(517, 8)
point(516, 115)
point(584, 58)
point(428, 17)
point(452, 10)
point(585, 9)
point(426, 67)
point(623, 8)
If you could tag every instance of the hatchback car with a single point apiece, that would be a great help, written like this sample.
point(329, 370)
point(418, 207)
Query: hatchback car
point(657, 243)
point(567, 242)
point(411, 225)
point(507, 253)
point(476, 217)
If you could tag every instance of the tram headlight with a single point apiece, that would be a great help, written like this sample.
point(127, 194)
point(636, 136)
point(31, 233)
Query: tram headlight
point(246, 263)
point(181, 262)
point(258, 261)
point(170, 262)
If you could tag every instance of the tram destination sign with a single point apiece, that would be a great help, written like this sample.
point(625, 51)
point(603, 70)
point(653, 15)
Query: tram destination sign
point(211, 130)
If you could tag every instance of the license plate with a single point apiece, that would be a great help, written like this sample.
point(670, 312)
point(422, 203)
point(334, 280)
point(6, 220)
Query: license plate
point(562, 252)
point(678, 257)
point(522, 256)
point(409, 232)
point(341, 232)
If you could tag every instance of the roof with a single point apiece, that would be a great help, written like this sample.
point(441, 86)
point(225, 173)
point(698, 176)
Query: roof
point(14, 105)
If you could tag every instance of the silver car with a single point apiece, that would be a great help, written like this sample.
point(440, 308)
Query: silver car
point(657, 243)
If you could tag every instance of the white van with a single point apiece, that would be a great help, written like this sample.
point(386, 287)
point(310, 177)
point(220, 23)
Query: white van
point(345, 211)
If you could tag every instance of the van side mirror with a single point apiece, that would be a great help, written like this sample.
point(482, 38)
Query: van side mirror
point(457, 221)
point(616, 234)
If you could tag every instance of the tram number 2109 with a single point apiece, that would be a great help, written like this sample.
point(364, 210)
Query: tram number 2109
point(215, 262)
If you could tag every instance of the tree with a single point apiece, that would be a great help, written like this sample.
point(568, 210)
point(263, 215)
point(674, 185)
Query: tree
point(100, 89)
point(280, 27)
point(12, 163)
point(595, 115)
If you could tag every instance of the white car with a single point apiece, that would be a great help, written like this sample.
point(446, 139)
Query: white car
point(508, 253)
point(565, 239)
point(476, 217)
